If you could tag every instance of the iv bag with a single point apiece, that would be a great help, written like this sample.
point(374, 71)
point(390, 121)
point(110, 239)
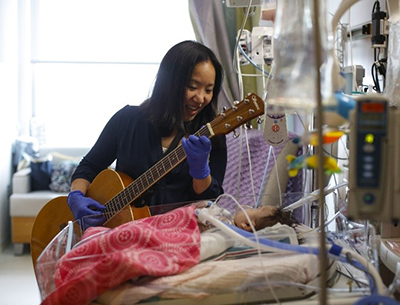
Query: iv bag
point(392, 88)
point(294, 83)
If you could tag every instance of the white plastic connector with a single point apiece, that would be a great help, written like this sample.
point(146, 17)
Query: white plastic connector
point(395, 285)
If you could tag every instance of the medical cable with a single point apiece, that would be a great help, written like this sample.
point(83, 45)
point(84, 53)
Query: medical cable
point(362, 230)
point(238, 48)
point(236, 58)
point(313, 196)
point(203, 215)
point(357, 266)
point(305, 147)
point(335, 157)
point(329, 221)
point(351, 47)
point(361, 263)
point(240, 162)
point(271, 150)
point(250, 167)
point(253, 63)
point(235, 66)
point(239, 76)
point(264, 177)
point(343, 7)
point(350, 275)
point(277, 178)
point(259, 250)
point(253, 240)
point(344, 145)
point(396, 281)
point(271, 245)
point(308, 125)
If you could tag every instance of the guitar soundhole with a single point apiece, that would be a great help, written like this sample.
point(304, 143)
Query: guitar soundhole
point(144, 199)
point(140, 203)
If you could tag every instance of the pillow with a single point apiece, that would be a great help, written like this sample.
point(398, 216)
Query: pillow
point(61, 176)
point(41, 169)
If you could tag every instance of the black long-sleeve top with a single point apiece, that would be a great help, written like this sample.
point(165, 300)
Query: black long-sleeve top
point(133, 142)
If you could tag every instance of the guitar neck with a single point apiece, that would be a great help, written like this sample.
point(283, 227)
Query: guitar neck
point(249, 108)
point(145, 181)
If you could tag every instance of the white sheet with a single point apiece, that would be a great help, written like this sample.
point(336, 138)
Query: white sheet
point(217, 277)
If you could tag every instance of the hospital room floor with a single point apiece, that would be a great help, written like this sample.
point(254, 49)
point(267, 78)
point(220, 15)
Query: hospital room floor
point(17, 279)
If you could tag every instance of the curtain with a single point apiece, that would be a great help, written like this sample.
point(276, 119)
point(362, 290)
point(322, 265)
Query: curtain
point(213, 26)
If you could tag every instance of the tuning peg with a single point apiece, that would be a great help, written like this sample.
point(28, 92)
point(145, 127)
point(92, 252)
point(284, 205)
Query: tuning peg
point(236, 103)
point(248, 125)
point(260, 120)
point(235, 134)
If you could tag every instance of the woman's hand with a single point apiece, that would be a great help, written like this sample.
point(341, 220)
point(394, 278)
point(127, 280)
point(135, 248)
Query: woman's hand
point(87, 210)
point(197, 150)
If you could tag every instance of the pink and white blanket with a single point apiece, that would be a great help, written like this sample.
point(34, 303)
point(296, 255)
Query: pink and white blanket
point(157, 246)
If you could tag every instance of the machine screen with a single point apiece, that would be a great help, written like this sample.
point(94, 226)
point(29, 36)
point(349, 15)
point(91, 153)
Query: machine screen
point(373, 107)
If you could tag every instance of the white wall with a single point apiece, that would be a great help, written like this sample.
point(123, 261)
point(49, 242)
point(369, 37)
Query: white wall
point(8, 105)
point(358, 50)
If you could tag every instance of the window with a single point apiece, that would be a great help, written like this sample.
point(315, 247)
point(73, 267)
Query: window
point(92, 57)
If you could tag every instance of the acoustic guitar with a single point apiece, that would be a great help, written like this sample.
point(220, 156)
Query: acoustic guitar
point(117, 191)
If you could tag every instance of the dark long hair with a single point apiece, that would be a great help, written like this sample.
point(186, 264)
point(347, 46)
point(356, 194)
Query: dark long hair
point(164, 108)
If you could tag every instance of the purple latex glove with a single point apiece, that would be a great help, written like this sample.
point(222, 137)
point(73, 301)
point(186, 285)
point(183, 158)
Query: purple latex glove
point(82, 207)
point(197, 150)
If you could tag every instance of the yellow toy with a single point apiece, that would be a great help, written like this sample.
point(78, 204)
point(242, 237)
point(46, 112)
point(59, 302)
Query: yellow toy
point(311, 162)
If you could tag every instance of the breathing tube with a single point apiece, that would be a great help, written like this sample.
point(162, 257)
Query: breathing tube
point(335, 251)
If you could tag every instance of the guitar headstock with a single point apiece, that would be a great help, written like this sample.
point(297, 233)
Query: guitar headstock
point(249, 108)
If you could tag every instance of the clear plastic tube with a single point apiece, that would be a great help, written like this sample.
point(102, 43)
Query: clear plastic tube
point(313, 196)
point(253, 240)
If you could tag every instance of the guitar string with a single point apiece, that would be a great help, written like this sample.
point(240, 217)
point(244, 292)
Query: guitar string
point(142, 183)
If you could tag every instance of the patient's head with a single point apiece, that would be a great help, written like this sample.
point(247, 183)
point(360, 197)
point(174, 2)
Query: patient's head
point(265, 216)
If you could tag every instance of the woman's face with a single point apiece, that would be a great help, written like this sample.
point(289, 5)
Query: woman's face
point(199, 91)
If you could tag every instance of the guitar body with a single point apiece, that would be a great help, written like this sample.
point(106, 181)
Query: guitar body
point(54, 216)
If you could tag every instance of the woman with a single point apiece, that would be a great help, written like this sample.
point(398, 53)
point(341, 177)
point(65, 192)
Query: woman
point(184, 98)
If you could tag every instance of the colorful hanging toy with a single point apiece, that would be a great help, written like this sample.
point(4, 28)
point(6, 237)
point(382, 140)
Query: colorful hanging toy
point(311, 161)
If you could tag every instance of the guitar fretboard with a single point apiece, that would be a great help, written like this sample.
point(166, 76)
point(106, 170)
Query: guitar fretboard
point(140, 185)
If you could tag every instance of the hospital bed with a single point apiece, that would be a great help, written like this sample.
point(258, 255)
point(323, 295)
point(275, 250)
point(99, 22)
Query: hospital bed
point(249, 276)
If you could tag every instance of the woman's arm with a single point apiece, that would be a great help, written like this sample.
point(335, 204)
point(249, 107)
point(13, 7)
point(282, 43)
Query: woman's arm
point(200, 185)
point(80, 184)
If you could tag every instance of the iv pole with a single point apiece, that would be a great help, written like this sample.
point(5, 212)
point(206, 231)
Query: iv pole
point(323, 260)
